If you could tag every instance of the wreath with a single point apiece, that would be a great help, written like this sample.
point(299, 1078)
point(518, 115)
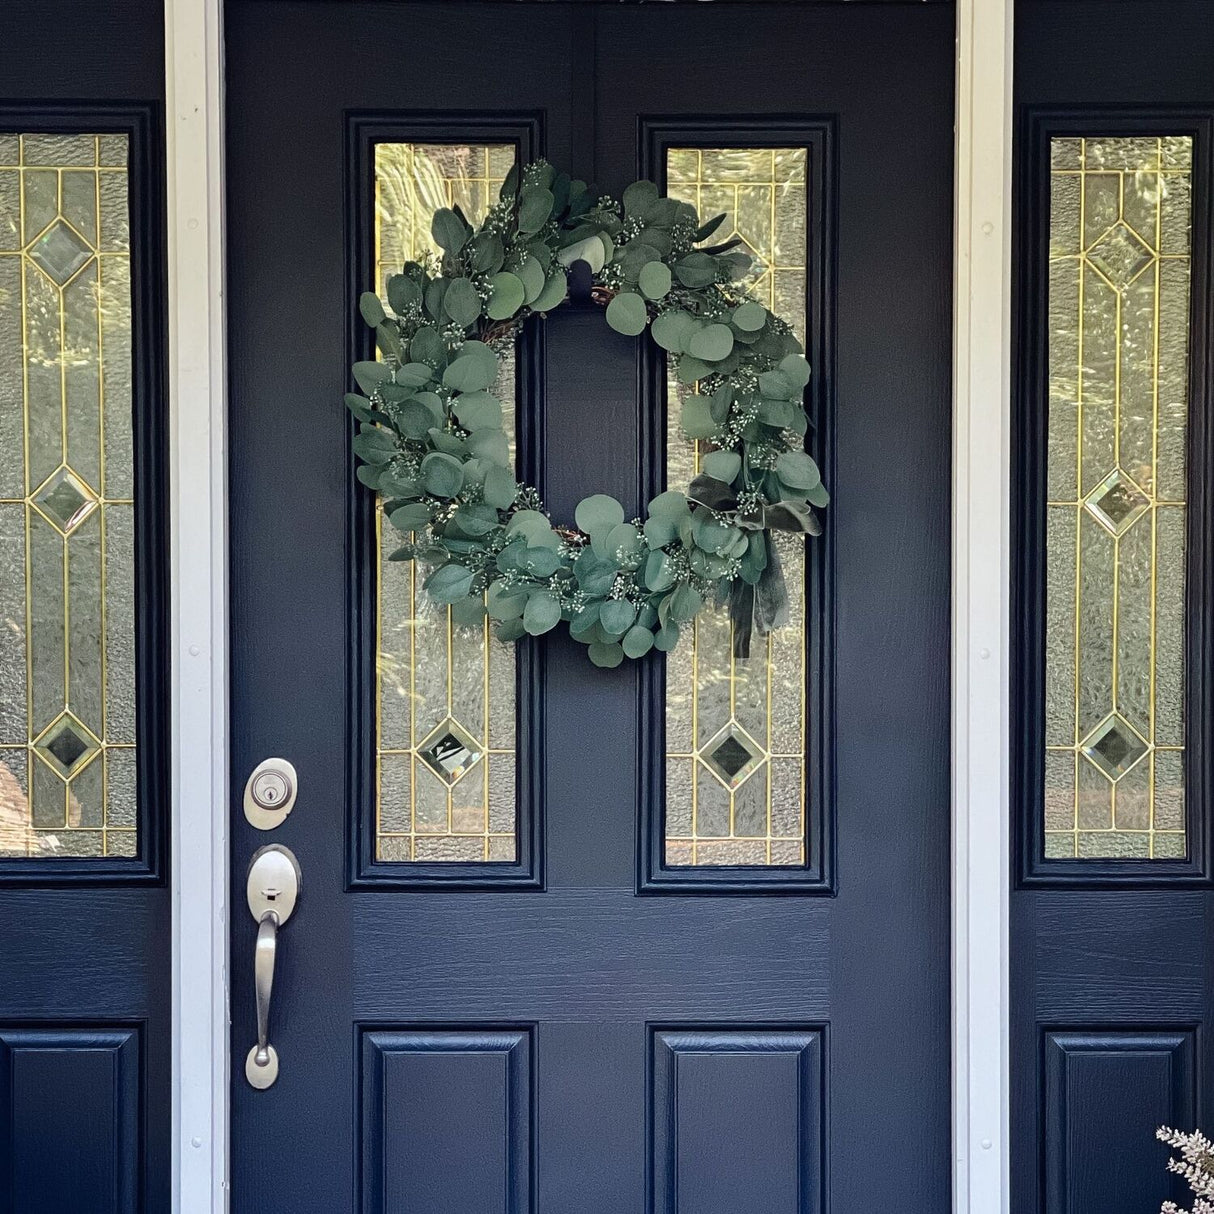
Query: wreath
point(432, 444)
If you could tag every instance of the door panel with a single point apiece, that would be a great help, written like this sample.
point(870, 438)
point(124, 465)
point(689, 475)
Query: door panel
point(1111, 915)
point(85, 970)
point(474, 1046)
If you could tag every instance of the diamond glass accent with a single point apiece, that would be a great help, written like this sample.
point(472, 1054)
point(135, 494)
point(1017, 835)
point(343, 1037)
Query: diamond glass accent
point(1119, 286)
point(1117, 502)
point(732, 756)
point(65, 499)
point(716, 705)
point(445, 695)
point(67, 602)
point(450, 752)
point(60, 251)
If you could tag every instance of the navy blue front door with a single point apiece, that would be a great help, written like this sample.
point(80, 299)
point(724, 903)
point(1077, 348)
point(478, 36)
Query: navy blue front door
point(669, 938)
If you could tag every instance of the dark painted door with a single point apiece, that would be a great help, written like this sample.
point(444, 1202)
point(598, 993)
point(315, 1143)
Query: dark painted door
point(1111, 920)
point(668, 937)
point(85, 911)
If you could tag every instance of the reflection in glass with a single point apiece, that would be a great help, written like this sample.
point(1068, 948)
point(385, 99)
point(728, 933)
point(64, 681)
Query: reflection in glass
point(1119, 269)
point(445, 696)
point(67, 652)
point(735, 730)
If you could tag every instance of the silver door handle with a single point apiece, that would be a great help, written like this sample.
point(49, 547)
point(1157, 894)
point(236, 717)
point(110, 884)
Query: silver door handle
point(273, 891)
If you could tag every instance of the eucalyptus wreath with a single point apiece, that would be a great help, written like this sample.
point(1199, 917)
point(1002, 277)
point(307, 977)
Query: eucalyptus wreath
point(433, 445)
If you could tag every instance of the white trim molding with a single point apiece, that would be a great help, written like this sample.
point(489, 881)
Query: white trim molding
point(198, 497)
point(981, 613)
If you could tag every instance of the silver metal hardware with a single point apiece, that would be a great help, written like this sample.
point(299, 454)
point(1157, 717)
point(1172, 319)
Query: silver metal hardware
point(269, 793)
point(272, 891)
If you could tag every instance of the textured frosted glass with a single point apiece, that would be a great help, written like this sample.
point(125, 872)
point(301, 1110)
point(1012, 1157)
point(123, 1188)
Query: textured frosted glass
point(445, 696)
point(735, 730)
point(67, 603)
point(1120, 252)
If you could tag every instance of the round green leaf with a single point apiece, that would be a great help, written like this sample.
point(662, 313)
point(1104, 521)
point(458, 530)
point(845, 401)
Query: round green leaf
point(796, 368)
point(711, 343)
point(542, 613)
point(659, 572)
point(450, 232)
point(617, 616)
point(477, 410)
point(509, 631)
point(797, 470)
point(723, 465)
point(506, 602)
point(556, 287)
point(449, 583)
point(654, 280)
point(413, 516)
point(626, 314)
point(443, 475)
point(639, 197)
point(462, 303)
point(500, 487)
point(605, 655)
point(415, 418)
point(534, 208)
point(403, 293)
point(531, 275)
point(750, 317)
point(638, 641)
point(474, 368)
point(667, 637)
point(670, 329)
point(598, 513)
point(507, 297)
point(370, 307)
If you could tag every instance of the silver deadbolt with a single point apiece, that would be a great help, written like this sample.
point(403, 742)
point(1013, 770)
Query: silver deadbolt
point(269, 793)
point(272, 890)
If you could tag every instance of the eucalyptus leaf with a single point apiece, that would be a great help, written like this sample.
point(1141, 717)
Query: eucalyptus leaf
point(462, 303)
point(556, 287)
point(696, 270)
point(374, 445)
point(449, 583)
point(542, 613)
point(403, 294)
point(443, 475)
point(508, 295)
point(711, 343)
point(750, 316)
point(468, 613)
point(654, 280)
point(626, 314)
point(668, 637)
point(534, 208)
point(370, 307)
point(617, 616)
point(638, 641)
point(797, 470)
point(476, 410)
point(531, 274)
point(722, 465)
point(450, 232)
point(369, 375)
point(509, 631)
point(598, 513)
point(500, 488)
point(670, 329)
point(638, 198)
point(606, 655)
point(411, 517)
point(474, 368)
point(506, 602)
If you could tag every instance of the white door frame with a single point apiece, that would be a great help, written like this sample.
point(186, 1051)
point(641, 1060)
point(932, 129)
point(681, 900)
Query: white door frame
point(198, 479)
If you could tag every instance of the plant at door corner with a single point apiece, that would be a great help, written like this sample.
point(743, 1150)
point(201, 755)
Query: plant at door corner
point(1196, 1165)
point(433, 445)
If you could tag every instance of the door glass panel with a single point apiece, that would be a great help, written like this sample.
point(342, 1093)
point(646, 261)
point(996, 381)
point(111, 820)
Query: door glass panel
point(735, 730)
point(1119, 271)
point(67, 573)
point(445, 694)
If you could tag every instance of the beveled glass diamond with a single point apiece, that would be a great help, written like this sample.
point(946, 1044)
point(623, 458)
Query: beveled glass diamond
point(732, 755)
point(1116, 503)
point(450, 752)
point(1120, 254)
point(60, 252)
point(66, 744)
point(1114, 746)
point(65, 499)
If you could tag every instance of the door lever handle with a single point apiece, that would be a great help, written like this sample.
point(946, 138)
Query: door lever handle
point(273, 891)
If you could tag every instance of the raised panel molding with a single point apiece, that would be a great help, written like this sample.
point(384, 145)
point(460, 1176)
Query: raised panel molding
point(1104, 1091)
point(70, 1119)
point(446, 1121)
point(737, 1120)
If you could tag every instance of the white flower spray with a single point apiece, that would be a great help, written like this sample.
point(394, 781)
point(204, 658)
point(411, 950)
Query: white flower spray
point(1196, 1165)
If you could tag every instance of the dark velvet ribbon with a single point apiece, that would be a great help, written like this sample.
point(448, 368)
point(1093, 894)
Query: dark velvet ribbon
point(762, 606)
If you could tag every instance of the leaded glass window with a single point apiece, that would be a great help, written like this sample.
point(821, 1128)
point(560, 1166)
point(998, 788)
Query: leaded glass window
point(736, 730)
point(67, 538)
point(1120, 252)
point(445, 695)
